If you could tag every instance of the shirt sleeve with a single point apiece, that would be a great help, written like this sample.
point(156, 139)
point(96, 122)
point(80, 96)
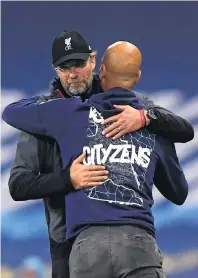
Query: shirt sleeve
point(169, 177)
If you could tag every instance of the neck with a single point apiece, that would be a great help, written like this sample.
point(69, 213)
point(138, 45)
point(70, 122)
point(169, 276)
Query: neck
point(118, 85)
point(127, 83)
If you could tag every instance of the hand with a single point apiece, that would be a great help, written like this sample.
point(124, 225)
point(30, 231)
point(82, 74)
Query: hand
point(83, 176)
point(127, 121)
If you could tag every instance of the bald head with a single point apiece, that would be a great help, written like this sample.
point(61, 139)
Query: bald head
point(121, 63)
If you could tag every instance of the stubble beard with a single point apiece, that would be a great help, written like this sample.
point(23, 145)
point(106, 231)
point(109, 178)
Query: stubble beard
point(76, 88)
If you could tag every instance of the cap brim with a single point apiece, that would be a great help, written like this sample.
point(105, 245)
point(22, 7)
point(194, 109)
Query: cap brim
point(80, 56)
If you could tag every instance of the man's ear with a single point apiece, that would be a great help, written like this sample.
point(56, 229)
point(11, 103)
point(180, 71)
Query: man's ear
point(93, 59)
point(138, 76)
point(56, 70)
point(102, 71)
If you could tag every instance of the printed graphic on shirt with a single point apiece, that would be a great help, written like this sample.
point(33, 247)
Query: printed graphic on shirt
point(127, 160)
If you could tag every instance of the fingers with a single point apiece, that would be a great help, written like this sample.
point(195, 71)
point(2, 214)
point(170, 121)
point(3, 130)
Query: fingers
point(91, 184)
point(113, 127)
point(115, 132)
point(121, 107)
point(80, 159)
point(99, 178)
point(95, 176)
point(94, 167)
point(120, 134)
point(111, 119)
point(97, 173)
point(90, 181)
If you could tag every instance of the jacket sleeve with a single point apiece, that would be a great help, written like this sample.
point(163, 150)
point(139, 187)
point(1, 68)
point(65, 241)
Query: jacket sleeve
point(169, 177)
point(25, 181)
point(167, 123)
point(24, 115)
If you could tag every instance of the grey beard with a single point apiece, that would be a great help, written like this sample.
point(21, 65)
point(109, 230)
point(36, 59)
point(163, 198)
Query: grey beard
point(76, 92)
point(72, 91)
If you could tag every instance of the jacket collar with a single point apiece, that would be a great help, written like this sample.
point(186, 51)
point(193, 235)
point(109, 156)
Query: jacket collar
point(116, 96)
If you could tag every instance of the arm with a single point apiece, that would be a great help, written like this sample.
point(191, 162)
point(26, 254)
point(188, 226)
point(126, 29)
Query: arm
point(169, 177)
point(25, 181)
point(28, 180)
point(36, 116)
point(24, 115)
point(167, 123)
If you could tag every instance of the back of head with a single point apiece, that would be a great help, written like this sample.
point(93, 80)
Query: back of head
point(120, 66)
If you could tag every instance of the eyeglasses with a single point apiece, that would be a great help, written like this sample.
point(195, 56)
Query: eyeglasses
point(78, 65)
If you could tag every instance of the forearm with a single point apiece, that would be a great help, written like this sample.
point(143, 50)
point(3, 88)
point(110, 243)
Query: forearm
point(32, 175)
point(167, 123)
point(24, 115)
point(170, 125)
point(28, 186)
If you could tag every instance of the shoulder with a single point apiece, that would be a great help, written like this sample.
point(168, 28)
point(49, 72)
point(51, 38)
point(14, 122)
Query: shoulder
point(96, 87)
point(139, 96)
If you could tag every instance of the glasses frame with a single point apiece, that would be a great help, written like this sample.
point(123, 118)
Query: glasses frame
point(67, 71)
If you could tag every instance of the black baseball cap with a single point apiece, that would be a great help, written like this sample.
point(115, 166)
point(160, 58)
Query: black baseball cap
point(69, 45)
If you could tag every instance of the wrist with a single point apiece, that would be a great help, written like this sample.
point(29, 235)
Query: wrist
point(142, 118)
point(147, 120)
point(66, 177)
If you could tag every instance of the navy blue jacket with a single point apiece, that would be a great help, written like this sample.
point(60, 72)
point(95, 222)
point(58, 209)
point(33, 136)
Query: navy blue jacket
point(135, 161)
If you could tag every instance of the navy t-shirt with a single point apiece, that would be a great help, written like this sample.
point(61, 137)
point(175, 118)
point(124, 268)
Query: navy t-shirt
point(133, 161)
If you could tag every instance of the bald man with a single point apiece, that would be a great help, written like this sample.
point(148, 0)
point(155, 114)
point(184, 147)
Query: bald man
point(112, 226)
point(120, 66)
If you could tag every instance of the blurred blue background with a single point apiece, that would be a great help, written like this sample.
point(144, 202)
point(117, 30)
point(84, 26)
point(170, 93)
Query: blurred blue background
point(167, 35)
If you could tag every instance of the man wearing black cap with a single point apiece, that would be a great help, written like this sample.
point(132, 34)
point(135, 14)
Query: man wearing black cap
point(70, 45)
point(74, 62)
point(37, 172)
